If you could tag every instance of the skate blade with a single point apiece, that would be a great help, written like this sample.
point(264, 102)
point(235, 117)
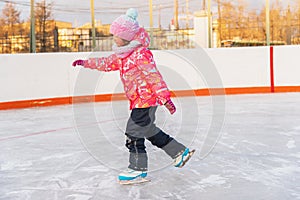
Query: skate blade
point(191, 153)
point(134, 182)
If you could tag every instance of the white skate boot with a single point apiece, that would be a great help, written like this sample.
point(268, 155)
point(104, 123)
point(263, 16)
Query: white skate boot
point(182, 159)
point(131, 176)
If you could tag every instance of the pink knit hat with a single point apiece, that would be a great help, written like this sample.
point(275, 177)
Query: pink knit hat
point(126, 26)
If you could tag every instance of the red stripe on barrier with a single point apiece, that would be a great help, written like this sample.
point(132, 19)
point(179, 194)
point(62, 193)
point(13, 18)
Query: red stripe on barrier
point(121, 96)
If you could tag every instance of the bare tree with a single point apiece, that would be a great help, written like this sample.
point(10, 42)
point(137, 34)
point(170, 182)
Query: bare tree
point(43, 14)
point(10, 17)
point(292, 23)
point(237, 22)
point(226, 10)
point(296, 39)
point(2, 28)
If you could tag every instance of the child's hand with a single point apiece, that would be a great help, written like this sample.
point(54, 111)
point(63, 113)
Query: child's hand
point(78, 62)
point(170, 106)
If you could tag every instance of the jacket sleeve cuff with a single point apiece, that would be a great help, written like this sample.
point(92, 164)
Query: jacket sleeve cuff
point(163, 101)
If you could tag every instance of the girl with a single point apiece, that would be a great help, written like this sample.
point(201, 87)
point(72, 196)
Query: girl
point(145, 89)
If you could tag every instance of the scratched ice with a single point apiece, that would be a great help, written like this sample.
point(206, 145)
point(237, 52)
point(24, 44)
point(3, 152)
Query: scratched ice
point(257, 156)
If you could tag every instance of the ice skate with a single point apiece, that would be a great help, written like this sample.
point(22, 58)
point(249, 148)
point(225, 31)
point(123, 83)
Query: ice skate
point(183, 158)
point(131, 176)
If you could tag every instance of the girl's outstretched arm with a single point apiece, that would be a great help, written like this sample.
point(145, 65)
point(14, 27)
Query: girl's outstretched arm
point(110, 63)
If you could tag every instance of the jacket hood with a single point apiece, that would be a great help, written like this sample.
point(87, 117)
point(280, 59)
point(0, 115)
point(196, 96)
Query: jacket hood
point(142, 37)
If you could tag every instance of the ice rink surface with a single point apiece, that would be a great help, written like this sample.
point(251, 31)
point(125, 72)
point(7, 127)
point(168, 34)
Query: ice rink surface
point(75, 152)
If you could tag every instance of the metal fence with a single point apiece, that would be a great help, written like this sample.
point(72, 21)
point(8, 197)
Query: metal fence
point(14, 44)
point(234, 23)
point(80, 40)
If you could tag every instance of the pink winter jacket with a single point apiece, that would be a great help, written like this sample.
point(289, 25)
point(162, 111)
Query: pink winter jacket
point(143, 84)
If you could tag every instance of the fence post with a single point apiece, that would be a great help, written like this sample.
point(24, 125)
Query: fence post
point(32, 28)
point(56, 44)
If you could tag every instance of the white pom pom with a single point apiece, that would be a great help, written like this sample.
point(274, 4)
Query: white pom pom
point(132, 13)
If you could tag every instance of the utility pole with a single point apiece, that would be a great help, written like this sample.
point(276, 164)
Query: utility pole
point(209, 24)
point(151, 22)
point(32, 28)
point(159, 17)
point(187, 13)
point(93, 25)
point(176, 14)
point(268, 22)
point(220, 21)
point(203, 5)
point(289, 28)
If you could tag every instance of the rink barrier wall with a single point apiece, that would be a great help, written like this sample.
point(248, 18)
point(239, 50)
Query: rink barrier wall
point(44, 83)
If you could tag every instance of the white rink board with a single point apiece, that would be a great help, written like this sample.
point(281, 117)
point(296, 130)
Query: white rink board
point(50, 75)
